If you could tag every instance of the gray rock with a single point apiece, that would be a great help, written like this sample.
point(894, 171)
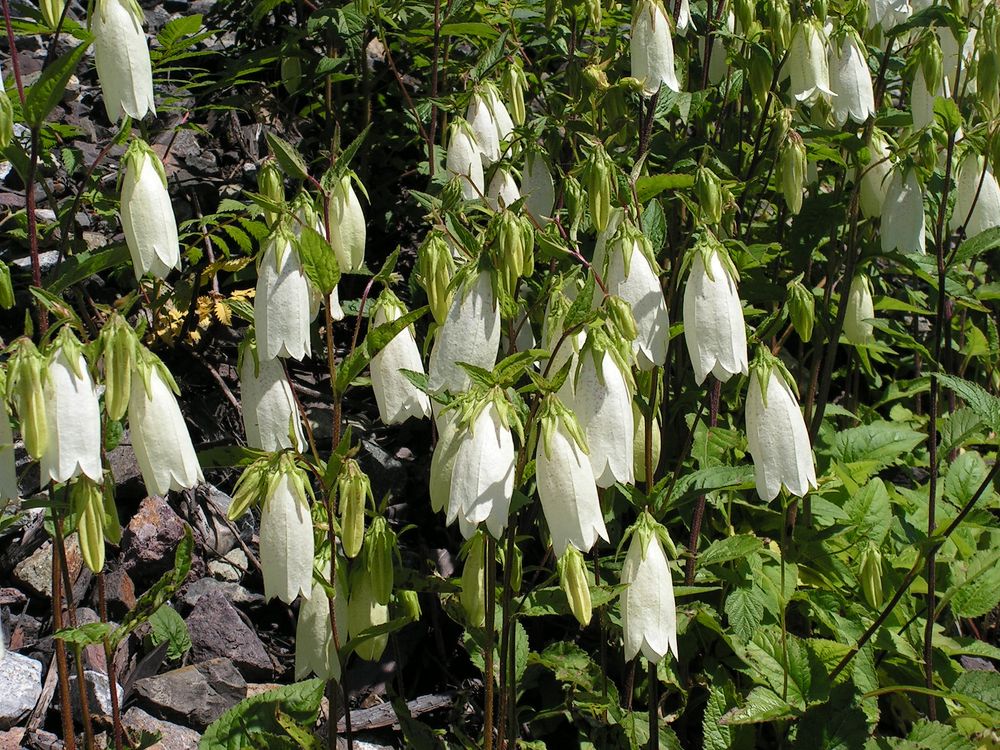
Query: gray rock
point(217, 630)
point(195, 695)
point(233, 592)
point(98, 694)
point(230, 567)
point(172, 736)
point(150, 539)
point(21, 678)
point(214, 532)
point(46, 259)
point(35, 571)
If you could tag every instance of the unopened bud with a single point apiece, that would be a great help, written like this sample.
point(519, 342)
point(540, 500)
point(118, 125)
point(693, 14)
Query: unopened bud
point(761, 72)
point(87, 503)
point(819, 8)
point(801, 308)
point(574, 581)
point(594, 13)
point(474, 582)
point(25, 388)
point(516, 570)
point(380, 550)
point(512, 244)
point(409, 602)
point(595, 76)
point(792, 165)
point(930, 59)
point(354, 490)
point(516, 84)
point(52, 11)
point(6, 287)
point(779, 18)
point(119, 345)
point(708, 191)
point(574, 199)
point(871, 576)
point(6, 119)
point(435, 267)
point(621, 316)
point(745, 13)
point(597, 176)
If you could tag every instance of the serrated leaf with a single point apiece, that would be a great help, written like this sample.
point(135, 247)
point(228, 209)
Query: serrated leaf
point(169, 627)
point(878, 444)
point(761, 705)
point(983, 403)
point(870, 512)
point(976, 590)
point(745, 609)
point(654, 225)
point(84, 635)
point(318, 260)
point(42, 96)
point(730, 548)
point(288, 157)
point(374, 342)
point(247, 723)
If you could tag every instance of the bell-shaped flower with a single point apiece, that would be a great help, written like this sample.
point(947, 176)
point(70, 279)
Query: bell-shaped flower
point(470, 333)
point(684, 17)
point(397, 398)
point(25, 391)
point(648, 612)
point(502, 191)
point(565, 481)
point(485, 128)
point(482, 479)
point(951, 53)
point(977, 197)
point(850, 81)
point(270, 416)
point(315, 651)
point(888, 13)
point(538, 188)
point(160, 438)
point(283, 300)
point(858, 326)
point(147, 212)
point(713, 315)
point(348, 221)
point(776, 432)
point(602, 401)
point(652, 48)
point(122, 59)
point(807, 63)
point(719, 64)
point(286, 535)
point(8, 466)
point(463, 159)
point(875, 178)
point(630, 272)
point(501, 117)
point(903, 213)
point(364, 612)
point(72, 415)
point(922, 100)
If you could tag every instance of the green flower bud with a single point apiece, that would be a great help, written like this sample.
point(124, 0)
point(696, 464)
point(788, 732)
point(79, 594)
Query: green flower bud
point(516, 84)
point(575, 202)
point(118, 344)
point(511, 240)
point(871, 576)
point(6, 287)
point(819, 8)
point(639, 443)
point(25, 389)
point(596, 77)
point(594, 13)
point(552, 8)
point(516, 569)
point(708, 191)
point(409, 602)
point(474, 581)
point(620, 314)
point(792, 171)
point(271, 184)
point(380, 550)
point(779, 18)
point(761, 71)
point(52, 11)
point(6, 119)
point(930, 60)
point(87, 503)
point(354, 490)
point(574, 580)
point(745, 13)
point(435, 267)
point(801, 308)
point(597, 176)
point(291, 73)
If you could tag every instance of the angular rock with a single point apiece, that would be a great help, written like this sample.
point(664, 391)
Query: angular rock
point(212, 530)
point(119, 592)
point(149, 540)
point(195, 695)
point(217, 630)
point(172, 736)
point(230, 567)
point(35, 572)
point(98, 694)
point(233, 592)
point(21, 679)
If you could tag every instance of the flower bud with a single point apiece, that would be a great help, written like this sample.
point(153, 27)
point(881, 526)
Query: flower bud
point(435, 267)
point(87, 503)
point(801, 308)
point(6, 119)
point(648, 611)
point(745, 13)
point(380, 551)
point(271, 184)
point(792, 171)
point(708, 191)
point(25, 389)
point(409, 602)
point(598, 174)
point(516, 569)
point(463, 159)
point(147, 212)
point(860, 312)
point(761, 73)
point(574, 199)
point(286, 534)
point(353, 489)
point(315, 650)
point(903, 221)
point(516, 84)
point(779, 18)
point(118, 344)
point(6, 286)
point(620, 314)
point(574, 580)
point(930, 61)
point(8, 466)
point(122, 59)
point(363, 613)
point(52, 11)
point(474, 581)
point(871, 576)
point(652, 49)
point(348, 220)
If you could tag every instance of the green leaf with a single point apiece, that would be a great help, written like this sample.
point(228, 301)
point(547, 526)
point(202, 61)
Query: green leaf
point(654, 225)
point(745, 609)
point(227, 456)
point(730, 548)
point(318, 260)
point(965, 475)
point(374, 342)
point(707, 480)
point(243, 725)
point(42, 97)
point(973, 247)
point(832, 726)
point(345, 157)
point(878, 444)
point(982, 685)
point(582, 307)
point(870, 512)
point(983, 403)
point(762, 705)
point(288, 157)
point(930, 735)
point(976, 590)
point(77, 268)
point(85, 635)
point(653, 185)
point(169, 627)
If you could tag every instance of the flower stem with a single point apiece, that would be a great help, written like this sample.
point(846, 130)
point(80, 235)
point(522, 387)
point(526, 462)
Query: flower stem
point(109, 661)
point(491, 584)
point(714, 392)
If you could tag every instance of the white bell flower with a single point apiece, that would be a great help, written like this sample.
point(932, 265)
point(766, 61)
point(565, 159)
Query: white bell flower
point(122, 59)
point(348, 221)
point(283, 300)
point(888, 13)
point(922, 100)
point(977, 198)
point(684, 17)
point(482, 480)
point(858, 327)
point(648, 611)
point(485, 131)
point(147, 213)
point(73, 416)
point(719, 64)
point(286, 537)
point(903, 221)
point(851, 81)
point(776, 432)
point(807, 63)
point(397, 398)
point(713, 315)
point(160, 437)
point(875, 178)
point(470, 333)
point(652, 48)
point(502, 191)
point(443, 460)
point(566, 485)
point(463, 159)
point(501, 117)
point(314, 647)
point(538, 187)
point(950, 55)
point(270, 416)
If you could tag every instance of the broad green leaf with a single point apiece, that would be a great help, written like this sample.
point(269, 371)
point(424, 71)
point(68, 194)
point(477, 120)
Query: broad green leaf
point(227, 456)
point(42, 96)
point(981, 684)
point(745, 609)
point(982, 243)
point(761, 705)
point(730, 548)
point(983, 403)
point(965, 475)
point(169, 627)
point(247, 723)
point(653, 185)
point(977, 587)
point(288, 158)
point(870, 512)
point(880, 443)
point(318, 260)
point(77, 268)
point(832, 726)
point(654, 225)
point(85, 635)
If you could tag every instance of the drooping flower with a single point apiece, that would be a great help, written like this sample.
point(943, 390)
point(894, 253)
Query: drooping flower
point(502, 191)
point(348, 222)
point(652, 48)
point(485, 127)
point(463, 159)
point(498, 110)
point(807, 63)
point(922, 100)
point(160, 438)
point(25, 391)
point(147, 213)
point(270, 416)
point(903, 213)
point(397, 398)
point(776, 432)
point(648, 612)
point(286, 535)
point(850, 81)
point(565, 481)
point(713, 315)
point(122, 59)
point(470, 333)
point(977, 197)
point(875, 178)
point(283, 300)
point(684, 17)
point(538, 188)
point(315, 651)
point(888, 13)
point(860, 312)
point(72, 414)
point(364, 612)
